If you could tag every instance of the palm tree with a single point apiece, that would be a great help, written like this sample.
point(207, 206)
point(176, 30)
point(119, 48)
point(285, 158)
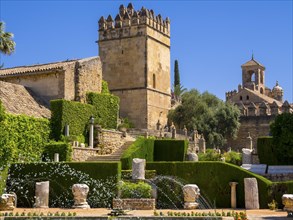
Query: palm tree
point(7, 45)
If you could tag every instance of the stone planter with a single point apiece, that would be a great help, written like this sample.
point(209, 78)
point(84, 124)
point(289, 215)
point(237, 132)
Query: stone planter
point(141, 204)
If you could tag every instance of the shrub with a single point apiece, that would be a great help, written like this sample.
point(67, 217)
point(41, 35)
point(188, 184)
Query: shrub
point(142, 148)
point(106, 108)
point(101, 177)
point(105, 88)
point(127, 174)
point(75, 114)
point(64, 150)
point(210, 155)
point(233, 158)
point(266, 151)
point(170, 150)
point(282, 131)
point(135, 190)
point(213, 179)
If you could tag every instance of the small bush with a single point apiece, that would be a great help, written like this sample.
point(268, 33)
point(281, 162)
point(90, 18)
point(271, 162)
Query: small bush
point(233, 158)
point(210, 155)
point(135, 190)
point(62, 148)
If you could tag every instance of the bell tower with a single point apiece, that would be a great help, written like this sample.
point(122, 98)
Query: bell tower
point(253, 76)
point(135, 52)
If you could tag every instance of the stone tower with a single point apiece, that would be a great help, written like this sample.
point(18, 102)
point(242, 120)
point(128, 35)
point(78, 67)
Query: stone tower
point(253, 76)
point(135, 52)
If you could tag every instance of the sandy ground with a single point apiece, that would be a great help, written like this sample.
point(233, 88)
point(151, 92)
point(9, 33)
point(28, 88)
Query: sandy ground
point(252, 214)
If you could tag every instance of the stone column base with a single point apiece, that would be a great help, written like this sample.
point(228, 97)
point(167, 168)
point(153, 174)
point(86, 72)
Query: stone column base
point(190, 205)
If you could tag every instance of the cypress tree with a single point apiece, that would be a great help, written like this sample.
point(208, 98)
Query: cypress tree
point(176, 74)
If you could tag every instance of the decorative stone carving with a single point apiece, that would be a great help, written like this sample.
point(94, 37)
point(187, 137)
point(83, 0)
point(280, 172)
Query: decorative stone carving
point(287, 200)
point(191, 192)
point(192, 157)
point(138, 169)
point(80, 192)
point(251, 193)
point(7, 202)
point(42, 194)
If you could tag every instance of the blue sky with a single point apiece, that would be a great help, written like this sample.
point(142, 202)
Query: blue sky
point(211, 39)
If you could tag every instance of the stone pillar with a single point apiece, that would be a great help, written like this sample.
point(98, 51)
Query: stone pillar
point(173, 130)
point(233, 195)
point(251, 193)
point(185, 132)
point(80, 192)
point(202, 145)
point(250, 142)
point(42, 194)
point(66, 133)
point(191, 192)
point(91, 138)
point(246, 156)
point(56, 157)
point(138, 169)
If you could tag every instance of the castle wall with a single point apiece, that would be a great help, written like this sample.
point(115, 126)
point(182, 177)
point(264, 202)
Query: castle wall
point(256, 125)
point(88, 77)
point(133, 105)
point(48, 85)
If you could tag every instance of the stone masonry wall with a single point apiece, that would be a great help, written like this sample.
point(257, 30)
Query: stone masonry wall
point(82, 154)
point(108, 141)
point(256, 125)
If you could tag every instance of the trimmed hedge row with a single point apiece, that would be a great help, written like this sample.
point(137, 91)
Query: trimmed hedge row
point(213, 180)
point(266, 152)
point(154, 150)
point(75, 114)
point(142, 148)
point(101, 177)
point(170, 150)
point(64, 149)
point(106, 108)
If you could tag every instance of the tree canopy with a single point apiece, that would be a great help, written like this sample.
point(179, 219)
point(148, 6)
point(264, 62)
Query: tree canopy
point(282, 131)
point(7, 45)
point(212, 117)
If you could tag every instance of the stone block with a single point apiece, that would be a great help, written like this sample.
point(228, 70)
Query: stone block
point(251, 193)
point(42, 194)
point(138, 169)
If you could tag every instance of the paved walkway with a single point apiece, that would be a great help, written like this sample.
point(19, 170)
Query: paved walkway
point(252, 214)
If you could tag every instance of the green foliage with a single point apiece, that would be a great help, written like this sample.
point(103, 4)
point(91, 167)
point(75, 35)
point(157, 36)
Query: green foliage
point(210, 155)
point(22, 138)
point(3, 177)
point(101, 177)
point(282, 131)
point(105, 88)
point(266, 151)
point(278, 189)
point(170, 150)
point(64, 149)
point(213, 180)
point(75, 114)
point(106, 108)
point(135, 190)
point(176, 74)
point(233, 158)
point(214, 118)
point(142, 148)
point(7, 45)
point(126, 123)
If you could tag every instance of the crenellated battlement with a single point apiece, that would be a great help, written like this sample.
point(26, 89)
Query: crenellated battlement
point(130, 22)
point(229, 94)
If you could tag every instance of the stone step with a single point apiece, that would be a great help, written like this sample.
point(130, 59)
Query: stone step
point(112, 157)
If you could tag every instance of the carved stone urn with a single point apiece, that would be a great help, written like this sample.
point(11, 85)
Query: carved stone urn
point(191, 193)
point(80, 192)
point(287, 200)
point(7, 202)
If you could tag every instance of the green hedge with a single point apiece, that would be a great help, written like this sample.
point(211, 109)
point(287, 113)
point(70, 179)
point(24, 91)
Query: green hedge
point(278, 189)
point(75, 114)
point(64, 150)
point(135, 190)
point(104, 108)
point(213, 180)
point(266, 152)
point(127, 174)
point(142, 148)
point(170, 150)
point(101, 177)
